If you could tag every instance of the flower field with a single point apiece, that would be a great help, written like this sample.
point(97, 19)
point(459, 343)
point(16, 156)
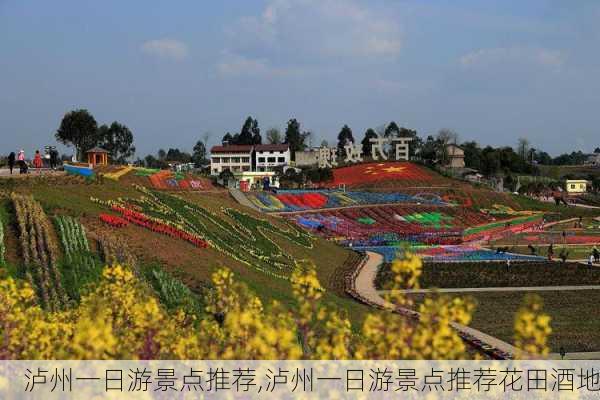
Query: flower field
point(80, 267)
point(40, 252)
point(2, 245)
point(168, 180)
point(448, 253)
point(384, 224)
point(239, 235)
point(401, 173)
point(118, 173)
point(299, 200)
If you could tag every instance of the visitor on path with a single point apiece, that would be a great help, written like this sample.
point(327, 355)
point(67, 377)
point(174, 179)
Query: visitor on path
point(596, 254)
point(37, 160)
point(507, 265)
point(21, 162)
point(550, 252)
point(12, 158)
point(591, 261)
point(53, 158)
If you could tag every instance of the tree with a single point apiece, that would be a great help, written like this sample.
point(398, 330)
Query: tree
point(366, 143)
point(429, 150)
point(472, 154)
point(597, 150)
point(162, 154)
point(523, 148)
point(227, 139)
point(79, 129)
point(294, 137)
point(415, 144)
point(117, 139)
point(444, 137)
point(199, 154)
point(246, 135)
point(255, 130)
point(391, 130)
point(273, 136)
point(344, 137)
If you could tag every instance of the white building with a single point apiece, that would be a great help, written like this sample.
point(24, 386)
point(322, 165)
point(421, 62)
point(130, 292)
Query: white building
point(236, 158)
point(269, 156)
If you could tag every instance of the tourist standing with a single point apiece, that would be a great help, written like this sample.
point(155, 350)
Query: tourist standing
point(596, 254)
point(37, 160)
point(550, 252)
point(21, 162)
point(591, 260)
point(53, 158)
point(12, 157)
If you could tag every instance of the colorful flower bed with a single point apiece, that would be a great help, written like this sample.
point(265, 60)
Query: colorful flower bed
point(114, 221)
point(298, 200)
point(385, 224)
point(241, 236)
point(558, 238)
point(117, 174)
point(448, 253)
point(406, 173)
point(168, 180)
point(498, 229)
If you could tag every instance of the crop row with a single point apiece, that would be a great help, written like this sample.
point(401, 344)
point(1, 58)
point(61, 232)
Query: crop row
point(40, 252)
point(2, 245)
point(72, 235)
point(371, 224)
point(312, 200)
point(240, 236)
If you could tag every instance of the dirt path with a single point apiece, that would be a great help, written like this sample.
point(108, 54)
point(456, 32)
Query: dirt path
point(365, 286)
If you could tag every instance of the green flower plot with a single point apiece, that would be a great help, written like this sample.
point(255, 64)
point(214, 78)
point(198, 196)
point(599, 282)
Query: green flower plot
point(241, 236)
point(436, 220)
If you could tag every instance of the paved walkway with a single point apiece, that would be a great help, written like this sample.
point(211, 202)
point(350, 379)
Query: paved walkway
point(365, 286)
point(495, 289)
point(242, 199)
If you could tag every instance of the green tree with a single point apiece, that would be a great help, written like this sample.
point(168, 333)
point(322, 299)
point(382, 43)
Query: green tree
point(391, 130)
point(344, 137)
point(273, 136)
point(227, 139)
point(472, 154)
point(429, 150)
point(199, 153)
point(294, 137)
point(117, 139)
point(366, 143)
point(416, 143)
point(79, 129)
point(249, 132)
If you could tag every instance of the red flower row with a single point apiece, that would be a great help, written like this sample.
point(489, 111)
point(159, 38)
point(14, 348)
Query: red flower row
point(304, 200)
point(158, 227)
point(114, 221)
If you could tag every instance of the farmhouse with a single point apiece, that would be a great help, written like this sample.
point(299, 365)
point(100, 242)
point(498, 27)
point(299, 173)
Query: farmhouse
point(235, 158)
point(456, 156)
point(575, 186)
point(269, 156)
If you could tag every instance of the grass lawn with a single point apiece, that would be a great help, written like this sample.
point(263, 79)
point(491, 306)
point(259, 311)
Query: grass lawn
point(471, 275)
point(574, 252)
point(575, 323)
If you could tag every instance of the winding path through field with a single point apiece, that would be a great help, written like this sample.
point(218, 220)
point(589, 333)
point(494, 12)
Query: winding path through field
point(365, 286)
point(495, 289)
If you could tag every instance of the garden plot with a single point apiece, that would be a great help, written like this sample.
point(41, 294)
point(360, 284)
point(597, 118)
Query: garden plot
point(238, 235)
point(300, 200)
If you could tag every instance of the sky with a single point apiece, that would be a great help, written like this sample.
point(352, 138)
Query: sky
point(493, 71)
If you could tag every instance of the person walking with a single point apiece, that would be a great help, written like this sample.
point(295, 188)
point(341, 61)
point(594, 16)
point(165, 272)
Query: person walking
point(21, 162)
point(12, 158)
point(53, 158)
point(596, 254)
point(37, 160)
point(550, 252)
point(591, 261)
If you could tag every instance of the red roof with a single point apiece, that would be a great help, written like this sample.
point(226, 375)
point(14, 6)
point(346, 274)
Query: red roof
point(272, 147)
point(232, 148)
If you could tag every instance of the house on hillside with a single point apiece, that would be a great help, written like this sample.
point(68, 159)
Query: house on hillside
point(456, 156)
point(269, 156)
point(593, 160)
point(307, 158)
point(576, 186)
point(235, 158)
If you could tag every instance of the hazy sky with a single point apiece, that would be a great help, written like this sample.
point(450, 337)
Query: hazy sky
point(171, 70)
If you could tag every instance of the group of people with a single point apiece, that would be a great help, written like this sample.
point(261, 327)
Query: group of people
point(19, 160)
